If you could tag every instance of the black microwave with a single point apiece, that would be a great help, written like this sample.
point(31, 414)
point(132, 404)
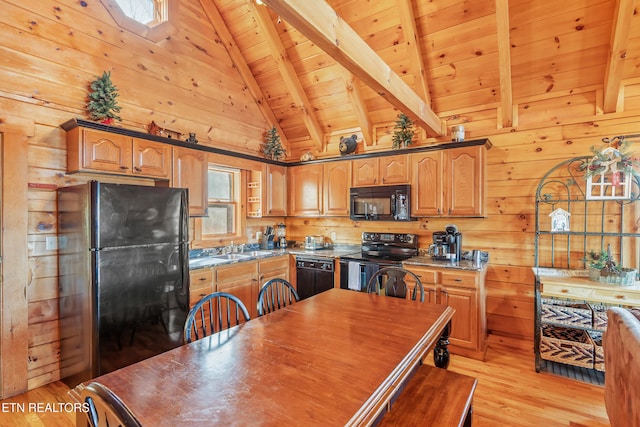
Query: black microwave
point(381, 203)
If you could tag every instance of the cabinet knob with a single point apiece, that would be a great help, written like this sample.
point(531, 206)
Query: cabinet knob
point(137, 169)
point(124, 168)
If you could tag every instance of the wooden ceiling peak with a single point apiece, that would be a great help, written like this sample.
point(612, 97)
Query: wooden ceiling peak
point(322, 26)
point(289, 75)
point(218, 23)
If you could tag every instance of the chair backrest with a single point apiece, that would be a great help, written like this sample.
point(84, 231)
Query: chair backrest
point(105, 408)
point(214, 313)
point(390, 281)
point(275, 294)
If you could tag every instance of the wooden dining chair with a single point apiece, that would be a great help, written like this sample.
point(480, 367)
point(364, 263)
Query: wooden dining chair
point(105, 409)
point(275, 294)
point(214, 313)
point(390, 281)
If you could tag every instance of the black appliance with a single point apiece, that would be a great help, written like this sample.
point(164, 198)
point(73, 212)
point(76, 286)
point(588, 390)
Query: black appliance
point(377, 250)
point(446, 244)
point(124, 275)
point(381, 203)
point(313, 275)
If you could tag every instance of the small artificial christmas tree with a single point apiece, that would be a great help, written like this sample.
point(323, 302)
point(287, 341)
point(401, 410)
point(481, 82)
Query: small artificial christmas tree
point(272, 148)
point(103, 104)
point(403, 134)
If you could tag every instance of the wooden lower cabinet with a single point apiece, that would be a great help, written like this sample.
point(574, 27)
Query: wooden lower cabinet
point(273, 268)
point(200, 284)
point(241, 280)
point(463, 290)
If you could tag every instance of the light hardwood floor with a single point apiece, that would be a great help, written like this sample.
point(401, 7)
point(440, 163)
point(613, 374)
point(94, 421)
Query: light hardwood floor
point(509, 393)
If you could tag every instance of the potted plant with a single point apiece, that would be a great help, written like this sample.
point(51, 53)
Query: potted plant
point(403, 133)
point(103, 103)
point(603, 269)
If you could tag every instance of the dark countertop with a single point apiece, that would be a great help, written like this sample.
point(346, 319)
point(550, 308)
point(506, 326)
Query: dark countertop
point(427, 261)
point(208, 261)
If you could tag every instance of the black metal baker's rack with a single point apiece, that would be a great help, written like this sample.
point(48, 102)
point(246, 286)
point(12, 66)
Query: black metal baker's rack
point(595, 225)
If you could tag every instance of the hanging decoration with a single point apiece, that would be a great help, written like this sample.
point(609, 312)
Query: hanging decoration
point(559, 220)
point(609, 174)
point(103, 100)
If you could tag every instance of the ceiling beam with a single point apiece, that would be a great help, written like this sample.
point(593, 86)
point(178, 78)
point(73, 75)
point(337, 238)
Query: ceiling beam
point(359, 107)
point(617, 54)
point(322, 26)
point(241, 65)
point(504, 63)
point(288, 73)
point(416, 59)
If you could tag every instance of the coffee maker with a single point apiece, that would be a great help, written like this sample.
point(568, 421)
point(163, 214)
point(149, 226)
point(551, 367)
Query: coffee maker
point(446, 244)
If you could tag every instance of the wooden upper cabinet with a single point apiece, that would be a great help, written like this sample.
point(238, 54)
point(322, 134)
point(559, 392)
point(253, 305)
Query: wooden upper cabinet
point(190, 171)
point(336, 179)
point(385, 170)
point(274, 194)
point(151, 159)
point(104, 152)
point(96, 151)
point(365, 172)
point(393, 169)
point(464, 177)
point(305, 190)
point(448, 182)
point(426, 183)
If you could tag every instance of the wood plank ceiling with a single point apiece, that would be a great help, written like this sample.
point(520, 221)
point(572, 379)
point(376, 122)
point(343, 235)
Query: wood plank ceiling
point(322, 70)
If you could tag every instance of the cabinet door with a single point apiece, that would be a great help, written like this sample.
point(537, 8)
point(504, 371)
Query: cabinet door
point(273, 268)
point(151, 159)
point(427, 277)
point(337, 176)
point(365, 172)
point(393, 170)
point(103, 152)
point(426, 184)
point(240, 280)
point(275, 191)
point(464, 325)
point(190, 171)
point(464, 178)
point(200, 285)
point(305, 190)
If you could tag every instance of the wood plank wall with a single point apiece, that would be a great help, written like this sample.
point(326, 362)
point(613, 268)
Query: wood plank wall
point(52, 50)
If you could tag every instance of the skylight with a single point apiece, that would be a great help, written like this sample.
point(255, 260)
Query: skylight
point(143, 11)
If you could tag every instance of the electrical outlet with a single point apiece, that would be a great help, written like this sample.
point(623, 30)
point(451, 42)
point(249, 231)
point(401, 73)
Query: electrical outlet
point(62, 242)
point(51, 243)
point(333, 236)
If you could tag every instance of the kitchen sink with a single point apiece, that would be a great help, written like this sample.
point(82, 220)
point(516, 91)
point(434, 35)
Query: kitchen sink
point(233, 256)
point(258, 253)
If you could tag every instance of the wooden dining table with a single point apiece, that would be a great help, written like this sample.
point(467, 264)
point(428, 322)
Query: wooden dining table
point(334, 359)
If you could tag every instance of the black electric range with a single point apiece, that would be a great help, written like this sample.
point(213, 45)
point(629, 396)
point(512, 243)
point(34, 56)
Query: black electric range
point(378, 250)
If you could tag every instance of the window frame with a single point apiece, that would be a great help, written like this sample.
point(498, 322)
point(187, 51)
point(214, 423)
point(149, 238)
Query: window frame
point(239, 207)
point(155, 31)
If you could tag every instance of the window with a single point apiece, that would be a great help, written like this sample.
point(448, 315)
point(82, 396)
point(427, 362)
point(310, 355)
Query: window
point(143, 11)
point(152, 19)
point(223, 206)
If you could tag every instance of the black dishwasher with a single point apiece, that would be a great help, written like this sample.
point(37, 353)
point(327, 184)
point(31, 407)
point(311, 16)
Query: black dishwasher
point(313, 275)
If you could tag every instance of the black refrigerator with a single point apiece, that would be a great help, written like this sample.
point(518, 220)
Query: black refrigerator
point(123, 275)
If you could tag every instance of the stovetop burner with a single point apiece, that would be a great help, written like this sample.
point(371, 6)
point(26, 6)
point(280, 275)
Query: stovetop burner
point(391, 248)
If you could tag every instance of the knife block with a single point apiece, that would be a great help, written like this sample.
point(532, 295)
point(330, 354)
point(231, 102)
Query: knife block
point(267, 242)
